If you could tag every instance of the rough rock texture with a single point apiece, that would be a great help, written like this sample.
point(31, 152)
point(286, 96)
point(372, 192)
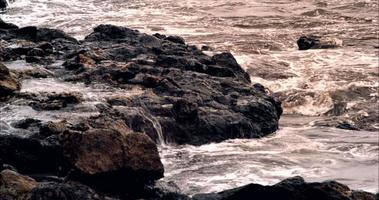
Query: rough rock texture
point(8, 82)
point(218, 98)
point(63, 191)
point(219, 101)
point(54, 101)
point(290, 189)
point(109, 156)
point(14, 185)
point(31, 155)
point(314, 42)
point(187, 97)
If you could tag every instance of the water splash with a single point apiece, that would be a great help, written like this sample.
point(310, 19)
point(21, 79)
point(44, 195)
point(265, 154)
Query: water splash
point(317, 154)
point(154, 121)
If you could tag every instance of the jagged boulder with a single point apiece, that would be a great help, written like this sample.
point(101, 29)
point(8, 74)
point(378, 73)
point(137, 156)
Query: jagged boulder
point(224, 105)
point(109, 156)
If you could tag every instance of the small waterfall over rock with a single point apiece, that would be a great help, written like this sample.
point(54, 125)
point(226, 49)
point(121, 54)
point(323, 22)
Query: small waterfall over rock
point(145, 114)
point(156, 125)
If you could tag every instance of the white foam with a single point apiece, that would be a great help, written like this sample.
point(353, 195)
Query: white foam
point(314, 153)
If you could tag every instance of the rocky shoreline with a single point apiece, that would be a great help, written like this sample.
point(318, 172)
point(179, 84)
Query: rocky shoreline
point(184, 97)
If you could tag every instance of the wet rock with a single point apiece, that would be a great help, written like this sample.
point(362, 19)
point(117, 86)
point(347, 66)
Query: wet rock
point(63, 191)
point(140, 121)
point(206, 48)
point(4, 127)
point(3, 4)
point(291, 189)
point(15, 185)
point(4, 25)
point(30, 155)
point(78, 62)
point(33, 59)
point(35, 34)
point(55, 101)
point(362, 195)
point(222, 100)
point(34, 73)
point(36, 52)
point(27, 123)
point(347, 126)
point(109, 156)
point(8, 82)
point(175, 39)
point(110, 32)
point(48, 105)
point(227, 60)
point(164, 191)
point(314, 42)
point(53, 128)
point(185, 111)
point(46, 47)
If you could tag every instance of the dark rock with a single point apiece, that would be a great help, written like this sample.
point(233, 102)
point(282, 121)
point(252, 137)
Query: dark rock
point(8, 82)
point(175, 39)
point(26, 123)
point(362, 195)
point(4, 25)
point(53, 128)
point(36, 52)
point(3, 4)
point(110, 32)
point(206, 48)
point(48, 105)
point(55, 101)
point(63, 191)
point(227, 60)
point(109, 156)
point(35, 34)
point(260, 87)
point(33, 59)
point(34, 73)
point(305, 43)
point(163, 190)
point(223, 103)
point(78, 62)
point(185, 111)
point(46, 47)
point(347, 126)
point(29, 155)
point(289, 189)
point(314, 42)
point(159, 36)
point(15, 185)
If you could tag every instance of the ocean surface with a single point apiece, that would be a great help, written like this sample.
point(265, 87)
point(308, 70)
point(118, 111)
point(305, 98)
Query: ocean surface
point(320, 89)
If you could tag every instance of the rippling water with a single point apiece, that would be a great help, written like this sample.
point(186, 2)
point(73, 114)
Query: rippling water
point(318, 88)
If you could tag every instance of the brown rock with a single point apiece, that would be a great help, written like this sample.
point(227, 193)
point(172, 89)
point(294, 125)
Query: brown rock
point(141, 153)
point(79, 61)
point(53, 128)
point(95, 151)
point(8, 83)
point(15, 184)
point(109, 153)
